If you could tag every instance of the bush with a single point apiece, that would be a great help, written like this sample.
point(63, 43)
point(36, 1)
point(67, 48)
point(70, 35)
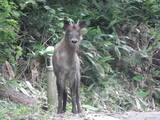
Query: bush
point(9, 28)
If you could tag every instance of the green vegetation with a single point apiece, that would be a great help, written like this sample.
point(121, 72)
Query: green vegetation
point(120, 51)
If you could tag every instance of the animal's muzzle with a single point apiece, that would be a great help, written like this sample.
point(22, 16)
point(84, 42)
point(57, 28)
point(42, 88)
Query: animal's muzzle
point(74, 41)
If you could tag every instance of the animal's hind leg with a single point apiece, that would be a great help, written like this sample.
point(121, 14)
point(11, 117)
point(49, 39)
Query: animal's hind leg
point(78, 92)
point(73, 96)
point(77, 100)
point(60, 99)
point(64, 100)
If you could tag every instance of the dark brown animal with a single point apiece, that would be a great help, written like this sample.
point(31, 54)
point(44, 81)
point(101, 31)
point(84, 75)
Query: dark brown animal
point(67, 66)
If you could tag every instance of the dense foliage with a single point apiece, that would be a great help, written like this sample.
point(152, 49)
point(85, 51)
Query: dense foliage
point(120, 51)
point(9, 28)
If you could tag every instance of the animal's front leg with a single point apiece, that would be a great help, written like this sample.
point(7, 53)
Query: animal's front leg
point(60, 99)
point(78, 77)
point(64, 100)
point(73, 95)
point(72, 85)
point(77, 99)
point(60, 89)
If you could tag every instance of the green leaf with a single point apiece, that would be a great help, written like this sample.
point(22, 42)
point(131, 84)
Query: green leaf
point(60, 25)
point(100, 70)
point(3, 111)
point(112, 23)
point(108, 43)
point(106, 59)
point(142, 94)
point(47, 7)
point(138, 78)
point(18, 47)
point(49, 52)
point(118, 53)
point(127, 48)
point(19, 53)
point(14, 84)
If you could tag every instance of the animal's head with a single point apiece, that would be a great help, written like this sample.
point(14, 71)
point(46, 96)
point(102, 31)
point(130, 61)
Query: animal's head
point(74, 32)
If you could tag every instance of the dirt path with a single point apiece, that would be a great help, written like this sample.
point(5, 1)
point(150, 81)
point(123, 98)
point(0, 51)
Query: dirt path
point(107, 116)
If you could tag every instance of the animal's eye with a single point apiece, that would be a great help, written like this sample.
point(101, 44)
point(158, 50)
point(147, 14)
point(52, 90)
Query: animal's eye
point(74, 34)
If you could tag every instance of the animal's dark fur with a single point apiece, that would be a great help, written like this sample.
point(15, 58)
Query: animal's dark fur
point(67, 66)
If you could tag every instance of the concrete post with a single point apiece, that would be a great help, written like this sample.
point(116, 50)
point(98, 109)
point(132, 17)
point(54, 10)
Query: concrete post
point(52, 86)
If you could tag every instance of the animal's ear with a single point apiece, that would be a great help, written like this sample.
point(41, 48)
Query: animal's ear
point(66, 24)
point(82, 24)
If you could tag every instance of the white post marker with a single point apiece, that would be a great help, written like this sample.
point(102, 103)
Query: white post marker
point(52, 86)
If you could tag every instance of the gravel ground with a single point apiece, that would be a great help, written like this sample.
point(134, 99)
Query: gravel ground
point(108, 116)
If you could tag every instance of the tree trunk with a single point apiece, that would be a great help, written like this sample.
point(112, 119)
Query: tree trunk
point(16, 96)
